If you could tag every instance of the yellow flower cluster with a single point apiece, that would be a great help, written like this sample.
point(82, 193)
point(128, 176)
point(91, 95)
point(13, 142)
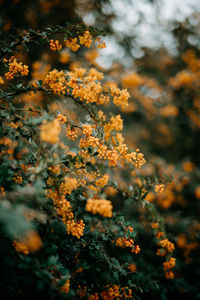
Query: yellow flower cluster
point(72, 44)
point(89, 142)
point(197, 192)
point(113, 155)
point(132, 267)
point(136, 249)
point(136, 158)
point(20, 247)
point(85, 87)
point(91, 55)
point(70, 184)
point(131, 80)
point(64, 57)
point(190, 59)
point(154, 225)
point(100, 206)
point(1, 80)
point(61, 118)
point(39, 70)
point(15, 68)
point(169, 246)
point(30, 243)
point(55, 169)
point(89, 91)
point(86, 39)
point(101, 182)
point(2, 191)
point(50, 131)
point(100, 43)
point(169, 274)
point(56, 81)
point(116, 123)
point(169, 110)
point(120, 97)
point(159, 188)
point(18, 179)
point(66, 286)
point(75, 228)
point(71, 133)
point(64, 207)
point(15, 124)
point(55, 45)
point(95, 75)
point(87, 130)
point(94, 296)
point(183, 78)
point(10, 144)
point(159, 234)
point(124, 242)
point(116, 292)
point(169, 264)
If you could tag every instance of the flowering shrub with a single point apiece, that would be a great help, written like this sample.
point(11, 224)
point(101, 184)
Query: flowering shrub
point(63, 159)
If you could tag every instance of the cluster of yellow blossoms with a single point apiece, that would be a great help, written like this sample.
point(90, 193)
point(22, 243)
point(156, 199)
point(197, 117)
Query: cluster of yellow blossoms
point(50, 131)
point(110, 292)
point(154, 225)
point(101, 182)
point(100, 206)
point(167, 265)
point(167, 247)
point(30, 243)
point(125, 242)
point(159, 188)
point(86, 39)
point(115, 154)
point(65, 288)
point(55, 45)
point(2, 191)
point(116, 123)
point(9, 147)
point(1, 80)
point(75, 228)
point(20, 247)
point(56, 81)
point(63, 206)
point(15, 68)
point(100, 43)
point(61, 118)
point(87, 130)
point(116, 292)
point(18, 179)
point(85, 87)
point(71, 133)
point(120, 97)
point(64, 57)
point(55, 169)
point(72, 43)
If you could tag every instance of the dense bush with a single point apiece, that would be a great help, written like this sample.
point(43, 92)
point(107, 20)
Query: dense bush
point(83, 212)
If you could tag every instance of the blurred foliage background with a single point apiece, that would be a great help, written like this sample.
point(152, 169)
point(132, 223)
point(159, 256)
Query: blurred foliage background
point(163, 119)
